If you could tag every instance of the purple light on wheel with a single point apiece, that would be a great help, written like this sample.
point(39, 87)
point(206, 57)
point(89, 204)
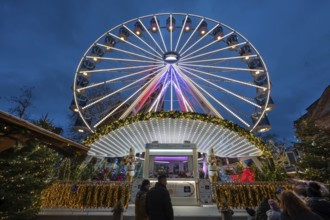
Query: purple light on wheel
point(171, 158)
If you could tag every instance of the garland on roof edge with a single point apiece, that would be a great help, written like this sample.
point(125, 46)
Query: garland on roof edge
point(93, 137)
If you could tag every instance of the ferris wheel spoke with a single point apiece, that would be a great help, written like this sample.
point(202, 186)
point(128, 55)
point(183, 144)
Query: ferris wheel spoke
point(218, 59)
point(127, 52)
point(152, 38)
point(133, 45)
point(196, 92)
point(171, 31)
point(156, 103)
point(188, 106)
point(199, 40)
point(205, 46)
point(160, 95)
point(180, 98)
point(221, 104)
point(115, 92)
point(132, 32)
point(116, 69)
point(156, 106)
point(192, 34)
point(184, 24)
point(188, 90)
point(222, 67)
point(125, 60)
point(171, 71)
point(118, 78)
point(160, 32)
point(151, 83)
point(173, 85)
point(177, 84)
point(124, 102)
point(212, 52)
point(224, 78)
point(165, 82)
point(225, 90)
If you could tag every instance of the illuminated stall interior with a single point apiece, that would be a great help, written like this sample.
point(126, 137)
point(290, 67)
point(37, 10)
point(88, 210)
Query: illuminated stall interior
point(172, 166)
point(177, 161)
point(174, 160)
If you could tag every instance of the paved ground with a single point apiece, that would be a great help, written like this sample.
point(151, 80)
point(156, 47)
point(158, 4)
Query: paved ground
point(181, 212)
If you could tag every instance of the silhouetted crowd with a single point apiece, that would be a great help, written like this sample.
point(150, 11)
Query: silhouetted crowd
point(305, 202)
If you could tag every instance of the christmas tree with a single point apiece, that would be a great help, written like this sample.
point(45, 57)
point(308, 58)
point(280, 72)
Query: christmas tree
point(314, 164)
point(25, 171)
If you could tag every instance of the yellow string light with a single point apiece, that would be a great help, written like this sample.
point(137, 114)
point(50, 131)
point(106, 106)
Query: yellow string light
point(87, 195)
point(108, 194)
point(239, 195)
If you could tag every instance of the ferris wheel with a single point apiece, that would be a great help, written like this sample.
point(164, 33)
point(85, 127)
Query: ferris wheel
point(172, 61)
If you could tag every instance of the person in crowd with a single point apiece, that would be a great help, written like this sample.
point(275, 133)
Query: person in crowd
point(262, 209)
point(140, 201)
point(158, 201)
point(251, 212)
point(261, 212)
point(278, 192)
point(301, 190)
point(274, 213)
point(315, 201)
point(294, 208)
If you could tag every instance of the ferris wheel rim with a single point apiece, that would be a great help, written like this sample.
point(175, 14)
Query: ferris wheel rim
point(233, 31)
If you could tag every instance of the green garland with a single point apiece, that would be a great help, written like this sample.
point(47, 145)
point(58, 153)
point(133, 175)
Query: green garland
point(93, 137)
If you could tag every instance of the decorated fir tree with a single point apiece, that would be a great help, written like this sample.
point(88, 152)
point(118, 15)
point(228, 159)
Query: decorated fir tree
point(25, 171)
point(314, 163)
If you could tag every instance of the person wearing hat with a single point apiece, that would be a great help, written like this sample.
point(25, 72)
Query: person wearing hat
point(140, 201)
point(158, 201)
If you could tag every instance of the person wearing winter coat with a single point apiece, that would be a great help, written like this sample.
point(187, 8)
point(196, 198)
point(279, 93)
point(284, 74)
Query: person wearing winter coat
point(294, 208)
point(251, 212)
point(140, 201)
point(262, 209)
point(315, 201)
point(158, 201)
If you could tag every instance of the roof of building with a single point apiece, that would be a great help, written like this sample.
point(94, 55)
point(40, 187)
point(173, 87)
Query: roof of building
point(15, 130)
point(319, 111)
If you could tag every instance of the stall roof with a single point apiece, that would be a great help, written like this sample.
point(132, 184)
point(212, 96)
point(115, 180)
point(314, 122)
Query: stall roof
point(226, 143)
point(15, 130)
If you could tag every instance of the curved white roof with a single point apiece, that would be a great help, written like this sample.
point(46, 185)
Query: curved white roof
point(225, 142)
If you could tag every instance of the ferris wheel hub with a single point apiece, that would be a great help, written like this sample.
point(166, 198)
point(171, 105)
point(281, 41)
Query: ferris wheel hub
point(171, 57)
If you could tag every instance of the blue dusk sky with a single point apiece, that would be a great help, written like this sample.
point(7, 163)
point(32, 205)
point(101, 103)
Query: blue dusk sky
point(42, 42)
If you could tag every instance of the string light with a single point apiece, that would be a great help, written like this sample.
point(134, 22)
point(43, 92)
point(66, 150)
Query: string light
point(87, 195)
